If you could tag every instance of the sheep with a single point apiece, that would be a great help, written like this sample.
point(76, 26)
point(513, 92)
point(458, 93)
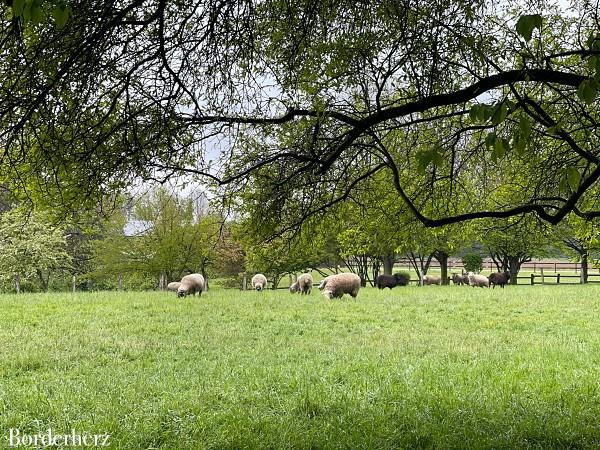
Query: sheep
point(304, 284)
point(478, 280)
point(174, 286)
point(335, 286)
point(432, 279)
point(390, 281)
point(499, 278)
point(259, 282)
point(460, 279)
point(190, 284)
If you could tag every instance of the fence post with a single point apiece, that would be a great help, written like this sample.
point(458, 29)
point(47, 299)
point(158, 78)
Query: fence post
point(542, 274)
point(244, 283)
point(558, 278)
point(555, 267)
point(532, 279)
point(534, 266)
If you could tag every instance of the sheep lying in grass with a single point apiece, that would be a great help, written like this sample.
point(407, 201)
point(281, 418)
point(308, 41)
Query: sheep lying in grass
point(303, 285)
point(499, 278)
point(173, 286)
point(190, 285)
point(460, 279)
point(259, 282)
point(432, 279)
point(335, 286)
point(478, 280)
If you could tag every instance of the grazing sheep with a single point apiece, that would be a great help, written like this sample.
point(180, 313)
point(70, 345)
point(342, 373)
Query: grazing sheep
point(190, 284)
point(259, 282)
point(335, 286)
point(391, 281)
point(322, 283)
point(432, 279)
point(303, 284)
point(499, 278)
point(460, 279)
point(174, 286)
point(478, 280)
point(294, 287)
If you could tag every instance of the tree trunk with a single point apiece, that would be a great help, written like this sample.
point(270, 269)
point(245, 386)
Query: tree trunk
point(18, 283)
point(514, 266)
point(584, 267)
point(375, 266)
point(203, 272)
point(442, 258)
point(74, 283)
point(388, 264)
point(43, 280)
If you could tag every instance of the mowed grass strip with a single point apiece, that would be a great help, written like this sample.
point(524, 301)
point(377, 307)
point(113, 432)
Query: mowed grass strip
point(431, 367)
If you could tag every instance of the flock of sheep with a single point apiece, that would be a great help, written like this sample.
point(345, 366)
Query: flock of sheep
point(189, 285)
point(469, 279)
point(335, 286)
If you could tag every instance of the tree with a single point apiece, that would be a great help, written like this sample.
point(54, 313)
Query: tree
point(302, 95)
point(511, 242)
point(581, 238)
point(170, 242)
point(31, 247)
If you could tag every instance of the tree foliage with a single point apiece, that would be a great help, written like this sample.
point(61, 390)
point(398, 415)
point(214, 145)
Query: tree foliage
point(31, 248)
point(304, 100)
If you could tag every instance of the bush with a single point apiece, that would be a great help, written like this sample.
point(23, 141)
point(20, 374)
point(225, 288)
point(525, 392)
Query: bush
point(473, 262)
point(403, 278)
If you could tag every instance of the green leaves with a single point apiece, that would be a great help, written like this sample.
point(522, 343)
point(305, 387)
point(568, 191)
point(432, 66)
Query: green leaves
point(427, 157)
point(32, 11)
point(498, 145)
point(587, 90)
point(573, 177)
point(481, 113)
point(61, 14)
point(570, 179)
point(527, 23)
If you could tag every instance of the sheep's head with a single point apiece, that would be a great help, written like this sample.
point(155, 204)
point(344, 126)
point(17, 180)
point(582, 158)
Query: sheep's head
point(294, 287)
point(181, 293)
point(258, 287)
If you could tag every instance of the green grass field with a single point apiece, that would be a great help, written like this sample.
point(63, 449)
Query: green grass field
point(433, 367)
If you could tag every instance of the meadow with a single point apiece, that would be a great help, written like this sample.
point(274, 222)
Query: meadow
point(432, 367)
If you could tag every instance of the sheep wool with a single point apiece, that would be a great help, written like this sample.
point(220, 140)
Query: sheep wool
point(190, 285)
point(499, 278)
point(173, 286)
point(432, 279)
point(259, 282)
point(478, 280)
point(335, 286)
point(305, 283)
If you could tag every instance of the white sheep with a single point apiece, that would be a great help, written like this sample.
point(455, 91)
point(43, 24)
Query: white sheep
point(303, 284)
point(173, 286)
point(478, 280)
point(432, 279)
point(335, 286)
point(191, 284)
point(259, 282)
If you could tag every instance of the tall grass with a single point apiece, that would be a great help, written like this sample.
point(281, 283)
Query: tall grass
point(432, 367)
